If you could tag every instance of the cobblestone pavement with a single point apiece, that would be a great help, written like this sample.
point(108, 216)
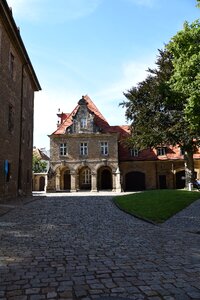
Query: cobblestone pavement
point(73, 247)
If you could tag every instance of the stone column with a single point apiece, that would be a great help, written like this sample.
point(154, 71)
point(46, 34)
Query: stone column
point(46, 182)
point(94, 182)
point(58, 181)
point(73, 182)
point(117, 181)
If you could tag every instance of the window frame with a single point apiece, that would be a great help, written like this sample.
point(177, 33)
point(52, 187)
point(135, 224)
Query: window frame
point(84, 148)
point(134, 152)
point(86, 176)
point(63, 149)
point(83, 123)
point(104, 148)
point(161, 151)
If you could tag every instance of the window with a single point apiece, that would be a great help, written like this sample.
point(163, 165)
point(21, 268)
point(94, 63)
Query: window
point(182, 151)
point(104, 148)
point(134, 152)
point(161, 151)
point(83, 123)
point(63, 149)
point(86, 176)
point(84, 148)
point(10, 118)
point(11, 65)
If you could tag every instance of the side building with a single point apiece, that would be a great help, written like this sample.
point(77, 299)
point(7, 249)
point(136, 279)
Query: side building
point(18, 82)
point(86, 153)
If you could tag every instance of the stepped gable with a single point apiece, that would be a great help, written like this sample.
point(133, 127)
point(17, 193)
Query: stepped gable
point(99, 119)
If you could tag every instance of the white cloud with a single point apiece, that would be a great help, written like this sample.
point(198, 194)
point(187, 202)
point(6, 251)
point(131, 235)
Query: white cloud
point(45, 11)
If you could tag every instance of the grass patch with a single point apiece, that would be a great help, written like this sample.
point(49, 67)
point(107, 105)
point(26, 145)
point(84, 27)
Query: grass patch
point(156, 205)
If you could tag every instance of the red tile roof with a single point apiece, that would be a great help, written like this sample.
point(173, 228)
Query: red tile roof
point(99, 119)
point(172, 153)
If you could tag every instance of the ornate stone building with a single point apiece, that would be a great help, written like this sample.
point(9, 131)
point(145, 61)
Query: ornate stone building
point(18, 82)
point(86, 153)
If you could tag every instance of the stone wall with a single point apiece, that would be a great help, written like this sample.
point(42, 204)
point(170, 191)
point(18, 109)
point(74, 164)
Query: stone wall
point(16, 120)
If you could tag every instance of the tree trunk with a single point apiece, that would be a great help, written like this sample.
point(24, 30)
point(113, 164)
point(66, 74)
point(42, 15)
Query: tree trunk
point(189, 168)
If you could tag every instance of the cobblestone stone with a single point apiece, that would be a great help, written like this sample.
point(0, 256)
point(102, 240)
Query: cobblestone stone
point(74, 247)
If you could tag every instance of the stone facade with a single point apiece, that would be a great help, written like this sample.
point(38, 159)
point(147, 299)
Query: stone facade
point(17, 85)
point(83, 155)
point(87, 153)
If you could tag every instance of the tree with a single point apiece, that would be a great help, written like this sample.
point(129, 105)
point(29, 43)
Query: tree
point(198, 3)
point(185, 80)
point(157, 112)
point(185, 48)
point(38, 165)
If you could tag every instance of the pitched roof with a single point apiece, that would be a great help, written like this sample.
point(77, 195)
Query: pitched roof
point(40, 154)
point(99, 119)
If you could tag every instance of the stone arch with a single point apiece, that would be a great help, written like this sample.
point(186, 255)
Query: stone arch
point(180, 179)
point(41, 183)
point(104, 178)
point(65, 179)
point(135, 181)
point(85, 178)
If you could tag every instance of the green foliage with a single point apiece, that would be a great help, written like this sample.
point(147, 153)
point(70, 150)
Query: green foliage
point(185, 48)
point(165, 108)
point(156, 112)
point(39, 166)
point(156, 205)
point(198, 3)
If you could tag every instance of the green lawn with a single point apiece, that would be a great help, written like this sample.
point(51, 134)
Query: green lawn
point(156, 205)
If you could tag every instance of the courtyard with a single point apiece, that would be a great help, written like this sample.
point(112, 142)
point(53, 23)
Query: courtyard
point(81, 246)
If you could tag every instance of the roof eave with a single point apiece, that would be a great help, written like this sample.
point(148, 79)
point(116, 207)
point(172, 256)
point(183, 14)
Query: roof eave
point(14, 34)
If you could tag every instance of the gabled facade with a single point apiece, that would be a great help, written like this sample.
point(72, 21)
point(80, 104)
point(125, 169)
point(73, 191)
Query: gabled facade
point(18, 82)
point(86, 153)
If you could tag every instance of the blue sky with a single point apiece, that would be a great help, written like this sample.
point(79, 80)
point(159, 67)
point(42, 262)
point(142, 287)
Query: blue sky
point(97, 47)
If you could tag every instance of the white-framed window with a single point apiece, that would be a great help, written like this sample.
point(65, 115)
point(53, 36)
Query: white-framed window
point(83, 123)
point(63, 149)
point(134, 152)
point(161, 151)
point(104, 148)
point(84, 148)
point(86, 179)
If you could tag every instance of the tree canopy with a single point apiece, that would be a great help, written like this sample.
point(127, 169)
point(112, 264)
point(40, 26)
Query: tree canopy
point(165, 107)
point(38, 165)
point(185, 48)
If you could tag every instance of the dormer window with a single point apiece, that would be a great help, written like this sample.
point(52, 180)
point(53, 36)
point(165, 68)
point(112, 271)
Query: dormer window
point(161, 151)
point(83, 123)
point(134, 152)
